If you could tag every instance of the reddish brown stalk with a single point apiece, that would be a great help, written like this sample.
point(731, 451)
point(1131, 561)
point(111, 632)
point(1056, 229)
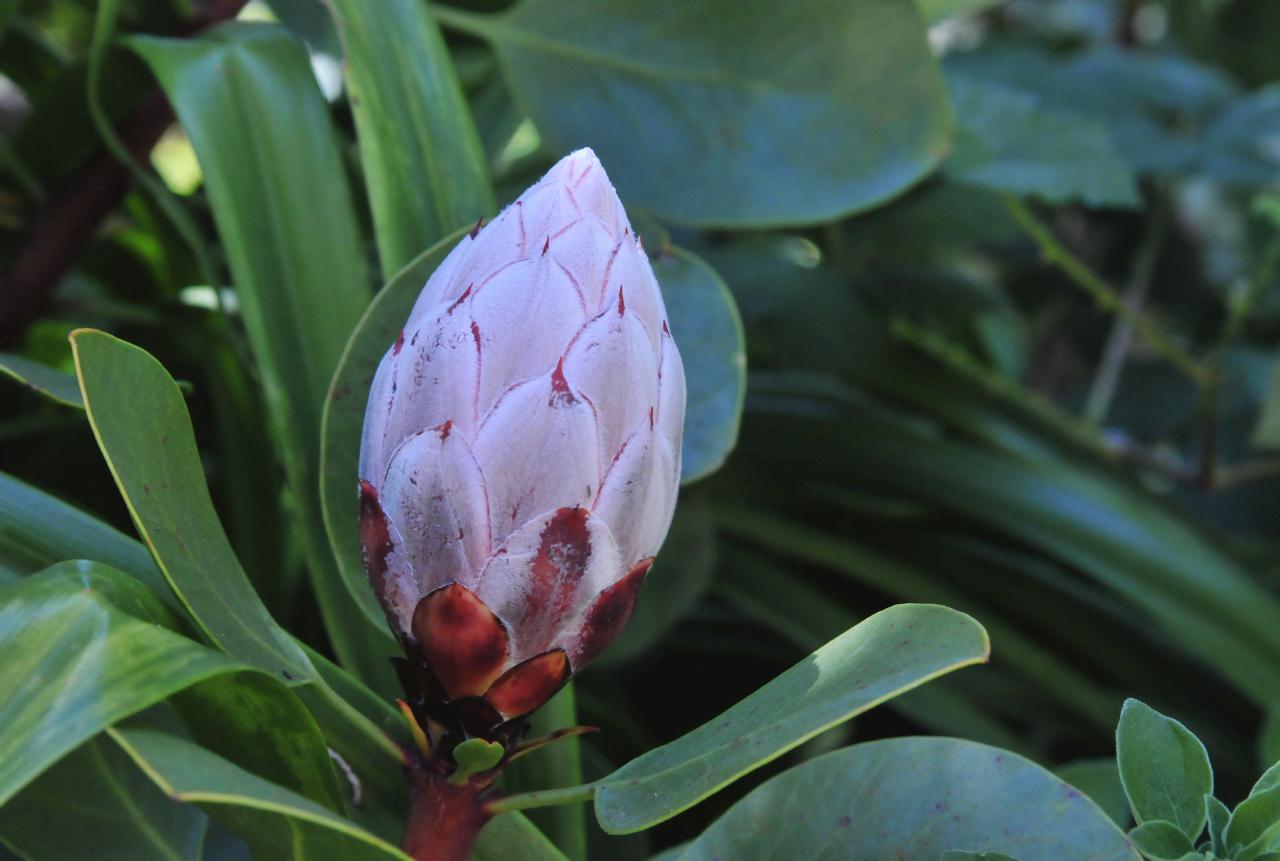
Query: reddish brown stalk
point(444, 818)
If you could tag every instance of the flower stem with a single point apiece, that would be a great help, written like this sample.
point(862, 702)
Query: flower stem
point(444, 818)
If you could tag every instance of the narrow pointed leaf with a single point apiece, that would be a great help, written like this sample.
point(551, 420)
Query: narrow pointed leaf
point(247, 98)
point(889, 653)
point(274, 821)
point(45, 381)
point(422, 158)
point(144, 431)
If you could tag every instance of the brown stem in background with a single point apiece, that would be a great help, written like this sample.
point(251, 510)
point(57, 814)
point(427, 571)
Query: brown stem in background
point(444, 818)
point(67, 222)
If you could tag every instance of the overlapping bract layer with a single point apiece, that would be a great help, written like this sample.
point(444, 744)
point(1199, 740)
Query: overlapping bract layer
point(521, 450)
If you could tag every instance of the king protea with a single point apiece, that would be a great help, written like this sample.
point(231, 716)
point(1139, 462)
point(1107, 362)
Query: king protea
point(521, 455)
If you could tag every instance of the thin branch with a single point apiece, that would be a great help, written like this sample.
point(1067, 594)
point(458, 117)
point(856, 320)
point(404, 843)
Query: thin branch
point(541, 798)
point(1106, 298)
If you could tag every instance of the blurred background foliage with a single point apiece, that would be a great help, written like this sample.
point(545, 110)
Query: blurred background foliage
point(1007, 274)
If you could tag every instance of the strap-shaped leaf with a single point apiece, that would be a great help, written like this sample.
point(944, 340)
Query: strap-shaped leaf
point(422, 158)
point(889, 653)
point(142, 426)
point(247, 98)
point(81, 647)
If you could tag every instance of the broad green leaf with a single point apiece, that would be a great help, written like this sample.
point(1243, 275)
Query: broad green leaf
point(1255, 822)
point(891, 652)
point(1159, 840)
point(1164, 768)
point(95, 803)
point(680, 576)
point(1100, 780)
point(913, 798)
point(708, 331)
point(248, 100)
point(38, 530)
point(144, 431)
point(708, 112)
point(422, 159)
point(48, 382)
point(344, 407)
point(1011, 141)
point(81, 648)
point(511, 836)
point(274, 821)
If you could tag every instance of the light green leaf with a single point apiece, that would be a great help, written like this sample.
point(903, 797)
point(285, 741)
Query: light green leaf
point(1164, 768)
point(276, 822)
point(1160, 840)
point(1010, 141)
point(1219, 816)
point(38, 530)
point(708, 331)
point(913, 798)
point(422, 158)
point(48, 382)
point(1255, 822)
point(82, 646)
point(142, 426)
point(706, 111)
point(95, 803)
point(889, 653)
point(344, 409)
point(247, 98)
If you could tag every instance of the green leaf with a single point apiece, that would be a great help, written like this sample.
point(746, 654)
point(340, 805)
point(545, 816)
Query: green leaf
point(1011, 141)
point(48, 382)
point(1164, 768)
point(256, 722)
point(559, 764)
point(95, 803)
point(1161, 841)
point(344, 408)
point(276, 822)
point(38, 530)
point(247, 98)
point(889, 653)
point(1100, 780)
point(704, 111)
point(937, 10)
point(1219, 816)
point(423, 162)
point(1255, 822)
point(142, 426)
point(914, 798)
point(708, 331)
point(955, 855)
point(512, 836)
point(76, 656)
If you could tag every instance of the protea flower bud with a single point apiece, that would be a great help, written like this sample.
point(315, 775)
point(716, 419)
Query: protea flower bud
point(521, 454)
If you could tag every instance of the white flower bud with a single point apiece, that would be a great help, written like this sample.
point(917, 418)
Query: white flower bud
point(521, 451)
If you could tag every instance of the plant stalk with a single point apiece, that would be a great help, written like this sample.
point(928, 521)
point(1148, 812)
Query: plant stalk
point(444, 818)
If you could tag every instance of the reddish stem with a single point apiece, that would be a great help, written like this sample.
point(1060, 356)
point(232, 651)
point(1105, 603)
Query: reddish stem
point(444, 818)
